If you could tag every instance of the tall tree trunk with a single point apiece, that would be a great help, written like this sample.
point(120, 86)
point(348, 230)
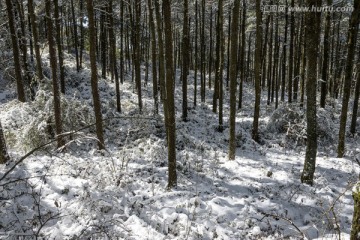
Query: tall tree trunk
point(202, 56)
point(76, 42)
point(81, 32)
point(242, 53)
point(233, 68)
point(210, 46)
point(16, 54)
point(137, 52)
point(257, 70)
point(103, 40)
point(112, 40)
point(94, 80)
point(291, 54)
point(351, 45)
point(122, 63)
point(284, 56)
point(35, 35)
point(23, 45)
point(196, 52)
point(219, 55)
point(53, 64)
point(153, 57)
point(313, 28)
point(170, 82)
point(161, 52)
point(185, 59)
point(324, 73)
point(270, 60)
point(59, 46)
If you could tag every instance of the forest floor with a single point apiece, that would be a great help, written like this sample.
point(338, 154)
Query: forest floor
point(120, 193)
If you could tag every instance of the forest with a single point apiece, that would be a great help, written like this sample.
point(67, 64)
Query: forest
point(169, 119)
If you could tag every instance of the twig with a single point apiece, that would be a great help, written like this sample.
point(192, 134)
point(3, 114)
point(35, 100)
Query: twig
point(285, 219)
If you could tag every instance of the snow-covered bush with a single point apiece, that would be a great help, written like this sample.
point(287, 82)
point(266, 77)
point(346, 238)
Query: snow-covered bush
point(31, 124)
point(291, 121)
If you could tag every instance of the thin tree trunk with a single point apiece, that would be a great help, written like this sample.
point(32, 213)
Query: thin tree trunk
point(356, 102)
point(137, 52)
point(4, 156)
point(291, 54)
point(218, 58)
point(242, 54)
point(16, 54)
point(161, 52)
point(233, 68)
point(112, 40)
point(153, 57)
point(35, 35)
point(53, 64)
point(257, 70)
point(76, 42)
point(59, 46)
point(185, 59)
point(283, 67)
point(94, 80)
point(324, 73)
point(351, 45)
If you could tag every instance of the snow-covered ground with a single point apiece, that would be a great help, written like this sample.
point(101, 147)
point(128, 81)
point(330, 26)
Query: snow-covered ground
point(120, 193)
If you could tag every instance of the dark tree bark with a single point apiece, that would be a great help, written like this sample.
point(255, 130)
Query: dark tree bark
point(284, 57)
point(233, 68)
point(270, 61)
point(313, 27)
point(22, 34)
point(291, 54)
point(355, 227)
point(255, 127)
point(219, 60)
point(76, 42)
point(59, 46)
point(196, 53)
point(35, 35)
point(137, 52)
point(94, 80)
point(112, 40)
point(185, 59)
point(81, 32)
point(203, 49)
point(16, 54)
point(170, 82)
point(161, 52)
point(53, 64)
point(356, 101)
point(324, 71)
point(351, 45)
point(103, 40)
point(242, 54)
point(153, 57)
point(4, 156)
point(210, 46)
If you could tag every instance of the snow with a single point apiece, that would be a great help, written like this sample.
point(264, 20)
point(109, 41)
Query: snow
point(121, 193)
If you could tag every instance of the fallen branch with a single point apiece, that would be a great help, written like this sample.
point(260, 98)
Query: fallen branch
point(277, 217)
